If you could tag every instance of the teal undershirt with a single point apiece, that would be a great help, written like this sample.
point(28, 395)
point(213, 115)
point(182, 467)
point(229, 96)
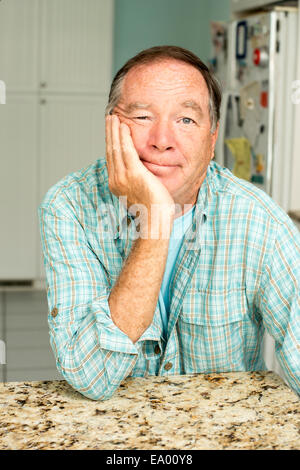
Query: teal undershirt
point(180, 226)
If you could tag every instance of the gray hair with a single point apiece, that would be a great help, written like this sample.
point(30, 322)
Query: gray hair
point(161, 52)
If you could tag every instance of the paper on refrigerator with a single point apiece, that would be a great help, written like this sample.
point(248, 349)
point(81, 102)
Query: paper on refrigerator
point(241, 150)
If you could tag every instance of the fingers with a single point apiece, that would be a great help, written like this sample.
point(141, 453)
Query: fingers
point(129, 153)
point(108, 144)
point(115, 163)
point(120, 149)
point(123, 162)
point(117, 157)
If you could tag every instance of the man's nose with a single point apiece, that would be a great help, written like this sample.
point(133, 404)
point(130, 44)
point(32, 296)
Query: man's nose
point(161, 136)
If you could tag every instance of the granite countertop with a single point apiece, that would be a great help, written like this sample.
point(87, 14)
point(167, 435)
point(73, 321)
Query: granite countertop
point(236, 410)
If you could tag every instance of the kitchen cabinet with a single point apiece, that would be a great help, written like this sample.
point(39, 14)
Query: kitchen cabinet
point(238, 6)
point(56, 62)
point(18, 186)
point(2, 335)
point(19, 44)
point(62, 117)
point(76, 45)
point(28, 352)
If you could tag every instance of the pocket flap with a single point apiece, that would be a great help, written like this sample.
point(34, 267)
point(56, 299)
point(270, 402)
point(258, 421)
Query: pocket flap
point(214, 306)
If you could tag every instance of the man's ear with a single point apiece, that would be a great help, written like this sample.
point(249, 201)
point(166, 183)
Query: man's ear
point(216, 133)
point(214, 139)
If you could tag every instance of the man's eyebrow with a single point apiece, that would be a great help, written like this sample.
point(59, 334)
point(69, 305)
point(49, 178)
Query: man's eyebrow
point(192, 104)
point(136, 105)
point(185, 104)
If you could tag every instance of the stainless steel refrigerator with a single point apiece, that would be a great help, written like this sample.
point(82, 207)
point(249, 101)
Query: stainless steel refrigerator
point(255, 61)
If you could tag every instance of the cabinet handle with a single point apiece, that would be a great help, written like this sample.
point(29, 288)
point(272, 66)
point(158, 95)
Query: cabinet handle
point(43, 101)
point(43, 84)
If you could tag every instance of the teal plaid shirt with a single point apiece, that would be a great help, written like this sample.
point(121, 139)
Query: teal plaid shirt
point(237, 274)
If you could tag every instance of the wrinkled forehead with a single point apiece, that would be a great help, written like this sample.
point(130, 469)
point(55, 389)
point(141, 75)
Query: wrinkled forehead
point(164, 76)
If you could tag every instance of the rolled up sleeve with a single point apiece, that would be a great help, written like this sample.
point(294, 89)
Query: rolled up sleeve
point(91, 352)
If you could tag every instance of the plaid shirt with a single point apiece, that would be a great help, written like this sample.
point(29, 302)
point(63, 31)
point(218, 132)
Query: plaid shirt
point(237, 274)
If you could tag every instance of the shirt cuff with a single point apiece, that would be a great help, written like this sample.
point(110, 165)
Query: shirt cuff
point(114, 339)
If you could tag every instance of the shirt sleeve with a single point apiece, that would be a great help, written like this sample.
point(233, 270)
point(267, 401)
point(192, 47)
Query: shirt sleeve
point(91, 352)
point(279, 300)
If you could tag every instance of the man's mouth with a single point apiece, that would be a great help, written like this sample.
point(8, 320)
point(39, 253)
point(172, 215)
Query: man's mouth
point(157, 165)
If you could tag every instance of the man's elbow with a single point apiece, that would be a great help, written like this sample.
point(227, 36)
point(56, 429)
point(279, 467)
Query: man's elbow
point(98, 389)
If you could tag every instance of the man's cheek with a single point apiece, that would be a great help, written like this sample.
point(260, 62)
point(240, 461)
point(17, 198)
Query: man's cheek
point(138, 146)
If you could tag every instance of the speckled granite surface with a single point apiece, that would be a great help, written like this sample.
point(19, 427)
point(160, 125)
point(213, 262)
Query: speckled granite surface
point(243, 410)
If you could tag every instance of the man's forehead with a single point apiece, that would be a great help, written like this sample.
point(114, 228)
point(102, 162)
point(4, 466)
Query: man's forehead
point(164, 76)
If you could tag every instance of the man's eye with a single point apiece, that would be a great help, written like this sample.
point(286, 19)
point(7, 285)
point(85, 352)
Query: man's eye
point(142, 117)
point(187, 120)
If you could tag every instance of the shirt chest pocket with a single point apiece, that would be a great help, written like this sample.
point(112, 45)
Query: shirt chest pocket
point(211, 327)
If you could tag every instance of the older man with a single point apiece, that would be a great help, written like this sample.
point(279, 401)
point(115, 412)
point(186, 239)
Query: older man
point(200, 263)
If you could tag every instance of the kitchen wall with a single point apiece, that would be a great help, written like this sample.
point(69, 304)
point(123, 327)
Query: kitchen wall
point(142, 24)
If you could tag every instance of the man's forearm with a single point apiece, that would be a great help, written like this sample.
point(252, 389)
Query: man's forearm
point(133, 299)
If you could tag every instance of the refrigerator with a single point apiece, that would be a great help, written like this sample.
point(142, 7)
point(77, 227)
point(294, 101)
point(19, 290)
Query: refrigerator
point(255, 62)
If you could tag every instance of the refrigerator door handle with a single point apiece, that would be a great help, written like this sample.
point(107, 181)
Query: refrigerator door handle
point(227, 94)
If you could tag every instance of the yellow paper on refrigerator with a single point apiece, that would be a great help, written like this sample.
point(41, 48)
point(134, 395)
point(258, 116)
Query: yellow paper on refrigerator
point(241, 150)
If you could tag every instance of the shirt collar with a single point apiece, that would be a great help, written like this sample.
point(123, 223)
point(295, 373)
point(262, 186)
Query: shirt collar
point(204, 198)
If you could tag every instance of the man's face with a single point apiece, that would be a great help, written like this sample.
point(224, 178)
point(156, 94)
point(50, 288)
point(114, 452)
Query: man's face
point(166, 106)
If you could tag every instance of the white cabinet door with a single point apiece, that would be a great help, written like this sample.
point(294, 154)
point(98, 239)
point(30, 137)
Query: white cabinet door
point(19, 44)
point(2, 338)
point(62, 51)
point(76, 45)
point(2, 320)
point(29, 354)
point(72, 136)
point(18, 187)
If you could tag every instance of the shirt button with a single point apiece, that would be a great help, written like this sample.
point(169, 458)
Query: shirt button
point(168, 366)
point(54, 312)
point(157, 349)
